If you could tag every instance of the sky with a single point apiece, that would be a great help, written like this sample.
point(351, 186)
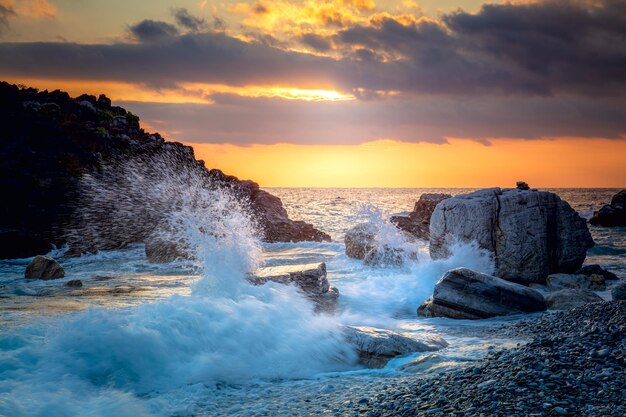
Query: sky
point(350, 93)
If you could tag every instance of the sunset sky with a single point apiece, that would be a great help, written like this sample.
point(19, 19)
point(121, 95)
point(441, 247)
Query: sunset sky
point(350, 93)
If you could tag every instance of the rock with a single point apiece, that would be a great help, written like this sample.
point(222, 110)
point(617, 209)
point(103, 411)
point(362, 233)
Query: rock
point(465, 294)
point(521, 185)
point(570, 298)
point(377, 346)
point(619, 292)
point(591, 270)
point(311, 279)
point(159, 251)
point(44, 267)
point(531, 233)
point(75, 283)
point(613, 214)
point(557, 282)
point(417, 222)
point(363, 242)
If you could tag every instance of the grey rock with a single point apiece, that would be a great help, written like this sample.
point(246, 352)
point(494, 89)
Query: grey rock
point(161, 251)
point(531, 233)
point(75, 283)
point(363, 242)
point(44, 267)
point(377, 346)
point(594, 269)
point(417, 222)
point(570, 298)
point(310, 278)
point(619, 292)
point(557, 282)
point(611, 215)
point(465, 294)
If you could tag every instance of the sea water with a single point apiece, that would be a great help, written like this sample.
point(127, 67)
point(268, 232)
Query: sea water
point(193, 338)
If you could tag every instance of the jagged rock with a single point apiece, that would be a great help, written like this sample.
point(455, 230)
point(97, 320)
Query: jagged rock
point(619, 292)
point(362, 243)
point(44, 267)
point(310, 278)
point(75, 283)
point(591, 270)
point(376, 347)
point(570, 298)
point(417, 222)
point(557, 282)
point(70, 138)
point(465, 294)
point(521, 185)
point(159, 251)
point(531, 233)
point(611, 215)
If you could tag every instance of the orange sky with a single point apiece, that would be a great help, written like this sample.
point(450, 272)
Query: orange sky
point(462, 163)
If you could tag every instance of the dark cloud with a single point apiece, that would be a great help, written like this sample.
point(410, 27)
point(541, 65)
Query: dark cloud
point(241, 120)
point(188, 21)
point(152, 30)
point(317, 42)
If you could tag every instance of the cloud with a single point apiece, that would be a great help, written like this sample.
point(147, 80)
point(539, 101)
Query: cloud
point(315, 41)
point(6, 12)
point(186, 20)
point(152, 30)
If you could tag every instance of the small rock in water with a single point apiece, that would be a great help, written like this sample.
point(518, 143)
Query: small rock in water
point(44, 267)
point(74, 283)
point(521, 185)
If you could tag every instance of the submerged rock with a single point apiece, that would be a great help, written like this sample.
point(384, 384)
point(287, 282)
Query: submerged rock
point(362, 242)
point(417, 222)
point(465, 294)
point(75, 283)
point(531, 233)
point(44, 267)
point(310, 278)
point(377, 346)
point(613, 214)
point(557, 282)
point(591, 270)
point(570, 298)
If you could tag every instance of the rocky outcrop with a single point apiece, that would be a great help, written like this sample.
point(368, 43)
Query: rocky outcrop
point(364, 242)
point(591, 270)
point(619, 292)
point(531, 233)
point(44, 267)
point(311, 279)
point(376, 347)
point(50, 141)
point(613, 214)
point(417, 222)
point(593, 282)
point(567, 299)
point(465, 294)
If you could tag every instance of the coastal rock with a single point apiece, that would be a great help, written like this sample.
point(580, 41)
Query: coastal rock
point(74, 283)
point(570, 298)
point(159, 251)
point(310, 278)
point(531, 233)
point(417, 222)
point(72, 139)
point(465, 294)
point(591, 270)
point(363, 242)
point(611, 215)
point(521, 185)
point(377, 346)
point(557, 282)
point(44, 267)
point(619, 292)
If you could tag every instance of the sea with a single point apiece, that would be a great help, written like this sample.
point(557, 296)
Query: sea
point(192, 338)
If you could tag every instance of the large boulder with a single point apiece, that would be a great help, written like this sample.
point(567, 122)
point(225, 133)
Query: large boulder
point(613, 214)
point(570, 298)
point(311, 279)
point(365, 242)
point(531, 233)
point(376, 347)
point(417, 222)
point(44, 267)
point(556, 282)
point(465, 294)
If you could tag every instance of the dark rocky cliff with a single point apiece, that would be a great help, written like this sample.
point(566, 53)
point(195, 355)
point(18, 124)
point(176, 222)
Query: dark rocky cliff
point(49, 140)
